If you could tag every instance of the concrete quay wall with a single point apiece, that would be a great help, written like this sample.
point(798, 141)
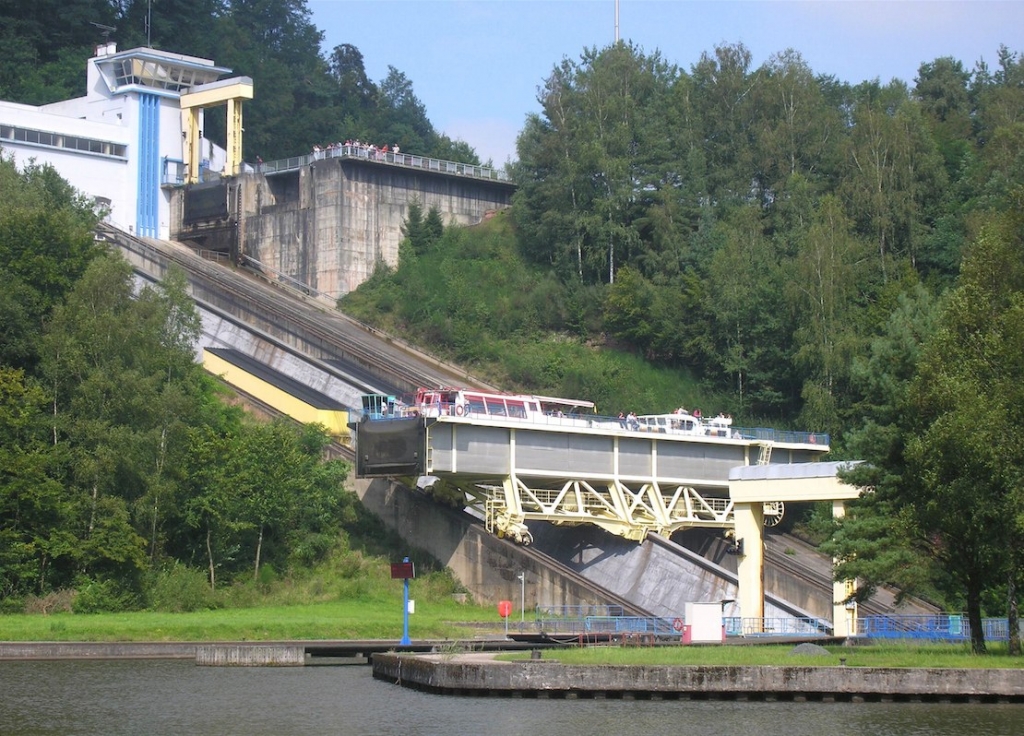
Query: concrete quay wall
point(475, 675)
point(251, 655)
point(97, 650)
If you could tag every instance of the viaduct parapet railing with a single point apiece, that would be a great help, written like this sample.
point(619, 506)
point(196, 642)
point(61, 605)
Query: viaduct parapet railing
point(174, 170)
point(405, 160)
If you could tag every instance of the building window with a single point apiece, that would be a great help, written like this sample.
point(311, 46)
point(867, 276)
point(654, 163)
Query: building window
point(55, 140)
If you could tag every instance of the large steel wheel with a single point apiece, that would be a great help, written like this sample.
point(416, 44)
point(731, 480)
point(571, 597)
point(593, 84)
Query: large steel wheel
point(773, 513)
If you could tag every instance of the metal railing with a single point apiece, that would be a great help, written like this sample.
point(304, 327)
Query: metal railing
point(940, 627)
point(776, 626)
point(606, 625)
point(365, 153)
point(672, 627)
point(284, 279)
point(599, 421)
point(173, 173)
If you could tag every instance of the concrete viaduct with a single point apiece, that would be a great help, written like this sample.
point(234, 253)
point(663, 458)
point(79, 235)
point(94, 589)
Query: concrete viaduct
point(324, 221)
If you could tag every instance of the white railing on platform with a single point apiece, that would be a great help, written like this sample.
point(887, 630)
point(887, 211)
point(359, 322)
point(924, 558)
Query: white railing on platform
point(367, 153)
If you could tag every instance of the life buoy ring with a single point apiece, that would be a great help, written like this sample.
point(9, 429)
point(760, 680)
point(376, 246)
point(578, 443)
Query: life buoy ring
point(677, 624)
point(459, 410)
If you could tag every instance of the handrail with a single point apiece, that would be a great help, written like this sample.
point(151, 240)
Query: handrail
point(366, 153)
point(940, 627)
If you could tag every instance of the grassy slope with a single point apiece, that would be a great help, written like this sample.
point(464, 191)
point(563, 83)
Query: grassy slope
point(472, 300)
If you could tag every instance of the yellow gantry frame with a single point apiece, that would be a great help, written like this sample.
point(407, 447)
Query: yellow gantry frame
point(750, 497)
point(226, 91)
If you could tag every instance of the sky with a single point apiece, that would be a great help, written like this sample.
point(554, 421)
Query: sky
point(476, 65)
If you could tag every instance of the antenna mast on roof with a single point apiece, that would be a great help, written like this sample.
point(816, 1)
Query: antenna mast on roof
point(149, 24)
point(616, 21)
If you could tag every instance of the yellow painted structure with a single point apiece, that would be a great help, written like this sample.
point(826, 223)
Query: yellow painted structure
point(335, 420)
point(750, 488)
point(231, 92)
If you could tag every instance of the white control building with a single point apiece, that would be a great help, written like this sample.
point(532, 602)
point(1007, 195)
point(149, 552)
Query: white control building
point(131, 138)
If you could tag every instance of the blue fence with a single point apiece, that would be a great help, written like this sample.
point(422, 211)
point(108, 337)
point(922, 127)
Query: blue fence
point(942, 627)
point(610, 620)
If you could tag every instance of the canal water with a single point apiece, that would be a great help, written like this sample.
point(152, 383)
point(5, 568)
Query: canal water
point(155, 697)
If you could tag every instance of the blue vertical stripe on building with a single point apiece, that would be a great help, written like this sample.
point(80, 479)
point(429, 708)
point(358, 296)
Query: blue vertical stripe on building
point(147, 209)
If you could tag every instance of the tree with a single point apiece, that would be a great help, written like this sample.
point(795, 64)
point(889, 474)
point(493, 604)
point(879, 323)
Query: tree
point(401, 117)
point(794, 125)
point(595, 163)
point(827, 276)
point(46, 238)
point(722, 87)
point(745, 301)
point(948, 465)
point(123, 385)
point(896, 173)
point(46, 44)
point(31, 506)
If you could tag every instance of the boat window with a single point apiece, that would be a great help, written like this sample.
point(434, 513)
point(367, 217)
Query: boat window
point(495, 407)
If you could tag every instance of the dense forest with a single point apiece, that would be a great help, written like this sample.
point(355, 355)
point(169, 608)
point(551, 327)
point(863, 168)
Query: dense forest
point(840, 256)
point(123, 467)
point(305, 96)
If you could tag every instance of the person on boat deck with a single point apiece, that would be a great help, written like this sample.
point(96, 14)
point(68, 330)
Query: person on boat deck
point(696, 413)
point(622, 419)
point(634, 423)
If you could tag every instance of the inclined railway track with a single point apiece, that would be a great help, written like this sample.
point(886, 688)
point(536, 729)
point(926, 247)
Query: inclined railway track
point(303, 323)
point(368, 359)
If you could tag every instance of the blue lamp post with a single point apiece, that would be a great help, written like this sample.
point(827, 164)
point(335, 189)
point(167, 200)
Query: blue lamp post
point(406, 571)
point(405, 618)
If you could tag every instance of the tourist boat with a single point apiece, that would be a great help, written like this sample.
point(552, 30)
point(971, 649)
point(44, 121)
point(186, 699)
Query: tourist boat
point(453, 404)
point(482, 404)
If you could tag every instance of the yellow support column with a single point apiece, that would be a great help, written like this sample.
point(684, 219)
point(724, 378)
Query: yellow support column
point(234, 143)
point(231, 92)
point(844, 615)
point(190, 143)
point(749, 527)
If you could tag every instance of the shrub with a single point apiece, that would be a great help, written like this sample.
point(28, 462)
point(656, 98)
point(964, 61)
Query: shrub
point(180, 589)
point(59, 601)
point(98, 596)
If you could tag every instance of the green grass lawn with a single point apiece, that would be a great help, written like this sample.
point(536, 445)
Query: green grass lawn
point(780, 655)
point(382, 619)
point(347, 619)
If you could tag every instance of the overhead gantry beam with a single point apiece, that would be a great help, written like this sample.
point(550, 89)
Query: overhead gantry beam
point(231, 92)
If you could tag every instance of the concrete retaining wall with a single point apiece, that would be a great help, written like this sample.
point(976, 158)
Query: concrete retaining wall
point(489, 567)
point(327, 224)
point(471, 676)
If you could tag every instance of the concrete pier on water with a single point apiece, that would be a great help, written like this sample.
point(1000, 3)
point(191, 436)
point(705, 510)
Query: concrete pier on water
point(483, 675)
